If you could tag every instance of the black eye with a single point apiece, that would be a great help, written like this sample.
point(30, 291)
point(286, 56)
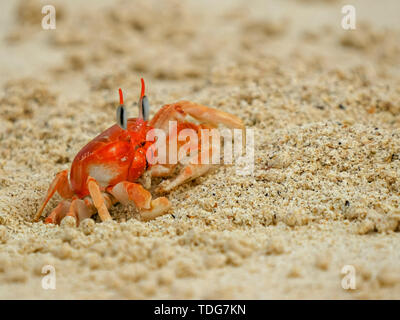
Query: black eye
point(144, 108)
point(122, 118)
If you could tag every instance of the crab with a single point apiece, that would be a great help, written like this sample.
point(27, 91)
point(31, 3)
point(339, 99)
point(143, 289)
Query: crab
point(109, 168)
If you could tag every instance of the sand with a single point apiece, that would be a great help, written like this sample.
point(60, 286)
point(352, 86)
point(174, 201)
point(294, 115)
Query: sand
point(324, 104)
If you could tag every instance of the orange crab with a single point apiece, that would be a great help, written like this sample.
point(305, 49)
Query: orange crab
point(107, 169)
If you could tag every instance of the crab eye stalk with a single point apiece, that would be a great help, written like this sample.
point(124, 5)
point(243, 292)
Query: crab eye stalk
point(122, 116)
point(144, 106)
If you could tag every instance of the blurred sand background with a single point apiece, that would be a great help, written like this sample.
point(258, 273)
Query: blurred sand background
point(325, 106)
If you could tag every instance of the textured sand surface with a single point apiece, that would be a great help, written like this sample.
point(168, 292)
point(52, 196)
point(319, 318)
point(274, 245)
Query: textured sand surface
point(325, 106)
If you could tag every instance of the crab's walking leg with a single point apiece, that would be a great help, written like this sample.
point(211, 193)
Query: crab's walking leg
point(128, 191)
point(159, 207)
point(159, 170)
point(58, 212)
point(213, 116)
point(189, 172)
point(194, 168)
point(77, 208)
point(210, 115)
point(177, 112)
point(149, 209)
point(60, 184)
point(81, 209)
point(99, 201)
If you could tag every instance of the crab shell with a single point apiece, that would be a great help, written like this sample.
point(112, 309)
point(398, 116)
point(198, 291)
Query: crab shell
point(113, 156)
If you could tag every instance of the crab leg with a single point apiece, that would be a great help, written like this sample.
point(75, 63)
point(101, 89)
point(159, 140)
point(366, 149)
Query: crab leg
point(159, 170)
point(178, 110)
point(58, 212)
point(60, 184)
point(169, 112)
point(99, 201)
point(159, 207)
point(81, 210)
point(189, 172)
point(126, 191)
point(78, 209)
point(149, 209)
point(210, 115)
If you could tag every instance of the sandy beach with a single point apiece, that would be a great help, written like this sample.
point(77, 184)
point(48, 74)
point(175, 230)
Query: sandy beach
point(324, 103)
